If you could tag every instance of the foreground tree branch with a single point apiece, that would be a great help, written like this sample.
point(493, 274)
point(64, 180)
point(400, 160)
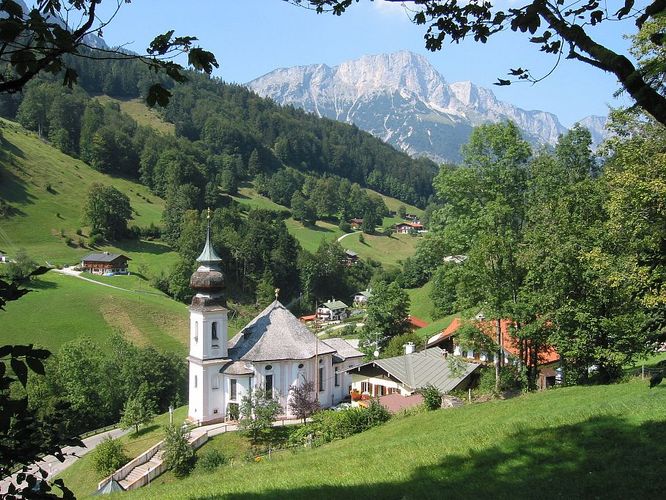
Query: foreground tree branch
point(550, 25)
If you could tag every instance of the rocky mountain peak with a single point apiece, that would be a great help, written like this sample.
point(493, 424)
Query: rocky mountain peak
point(402, 99)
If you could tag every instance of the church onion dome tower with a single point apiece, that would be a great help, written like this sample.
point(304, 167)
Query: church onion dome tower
point(208, 281)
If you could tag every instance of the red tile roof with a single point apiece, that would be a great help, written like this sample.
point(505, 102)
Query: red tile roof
point(509, 344)
point(396, 402)
point(416, 322)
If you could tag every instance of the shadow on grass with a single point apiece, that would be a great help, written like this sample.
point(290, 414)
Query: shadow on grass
point(142, 246)
point(319, 229)
point(143, 431)
point(37, 284)
point(603, 457)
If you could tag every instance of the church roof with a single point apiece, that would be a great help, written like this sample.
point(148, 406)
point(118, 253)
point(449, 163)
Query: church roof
point(276, 334)
point(343, 348)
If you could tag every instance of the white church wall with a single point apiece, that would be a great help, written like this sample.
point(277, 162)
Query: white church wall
point(197, 383)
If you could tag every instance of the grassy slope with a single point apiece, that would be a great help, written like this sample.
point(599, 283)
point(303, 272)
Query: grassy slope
point(82, 479)
point(69, 308)
point(142, 114)
point(27, 166)
point(578, 442)
point(388, 251)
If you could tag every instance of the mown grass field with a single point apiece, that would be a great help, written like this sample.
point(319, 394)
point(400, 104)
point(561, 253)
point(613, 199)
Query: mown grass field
point(420, 304)
point(389, 251)
point(310, 237)
point(579, 442)
point(62, 308)
point(47, 189)
point(81, 477)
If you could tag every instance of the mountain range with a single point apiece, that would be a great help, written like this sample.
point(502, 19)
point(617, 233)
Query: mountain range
point(402, 99)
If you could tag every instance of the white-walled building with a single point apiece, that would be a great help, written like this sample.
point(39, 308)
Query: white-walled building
point(273, 352)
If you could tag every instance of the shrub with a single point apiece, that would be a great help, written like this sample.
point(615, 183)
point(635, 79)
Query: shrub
point(233, 411)
point(212, 460)
point(108, 457)
point(178, 454)
point(345, 227)
point(361, 238)
point(432, 397)
point(95, 239)
point(68, 241)
point(81, 243)
point(377, 414)
point(79, 232)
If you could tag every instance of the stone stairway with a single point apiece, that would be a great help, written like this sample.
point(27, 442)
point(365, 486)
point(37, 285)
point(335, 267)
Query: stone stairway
point(140, 471)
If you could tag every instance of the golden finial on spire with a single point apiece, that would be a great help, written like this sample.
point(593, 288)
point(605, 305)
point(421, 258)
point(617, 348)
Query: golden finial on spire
point(277, 292)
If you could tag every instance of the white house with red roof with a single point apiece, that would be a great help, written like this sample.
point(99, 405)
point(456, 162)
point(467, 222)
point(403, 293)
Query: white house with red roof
point(548, 360)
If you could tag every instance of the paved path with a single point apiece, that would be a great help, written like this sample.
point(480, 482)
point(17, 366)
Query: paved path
point(77, 274)
point(53, 466)
point(344, 236)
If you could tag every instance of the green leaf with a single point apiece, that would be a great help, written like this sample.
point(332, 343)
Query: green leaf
point(20, 370)
point(35, 365)
point(158, 95)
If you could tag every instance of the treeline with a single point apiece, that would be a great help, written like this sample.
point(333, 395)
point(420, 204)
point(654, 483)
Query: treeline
point(226, 133)
point(320, 198)
point(259, 255)
point(86, 389)
point(568, 247)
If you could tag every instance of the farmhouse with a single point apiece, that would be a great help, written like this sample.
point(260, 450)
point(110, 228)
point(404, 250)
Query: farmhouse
point(351, 257)
point(104, 262)
point(273, 352)
point(404, 375)
point(361, 298)
point(332, 310)
point(548, 360)
point(356, 223)
point(408, 227)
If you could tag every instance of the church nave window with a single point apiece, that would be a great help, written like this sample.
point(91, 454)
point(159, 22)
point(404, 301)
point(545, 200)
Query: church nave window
point(233, 389)
point(269, 385)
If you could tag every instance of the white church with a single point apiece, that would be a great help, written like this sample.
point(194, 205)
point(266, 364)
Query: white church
point(273, 352)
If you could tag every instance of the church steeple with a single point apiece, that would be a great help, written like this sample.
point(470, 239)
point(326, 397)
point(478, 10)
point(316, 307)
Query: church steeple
point(207, 281)
point(208, 257)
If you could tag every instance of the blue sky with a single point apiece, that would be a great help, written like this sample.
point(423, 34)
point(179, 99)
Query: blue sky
point(252, 37)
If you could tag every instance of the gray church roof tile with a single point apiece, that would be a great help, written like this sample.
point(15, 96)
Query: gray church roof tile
point(276, 334)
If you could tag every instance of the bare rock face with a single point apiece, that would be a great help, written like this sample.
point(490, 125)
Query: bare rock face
point(404, 101)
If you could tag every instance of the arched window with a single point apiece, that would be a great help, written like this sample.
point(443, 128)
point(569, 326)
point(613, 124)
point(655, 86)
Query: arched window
point(213, 333)
point(196, 331)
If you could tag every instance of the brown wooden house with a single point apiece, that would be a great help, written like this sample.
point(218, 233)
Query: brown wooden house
point(104, 262)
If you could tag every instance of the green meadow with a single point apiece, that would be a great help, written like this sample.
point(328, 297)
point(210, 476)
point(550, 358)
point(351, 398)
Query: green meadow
point(561, 443)
point(389, 251)
point(46, 190)
point(62, 308)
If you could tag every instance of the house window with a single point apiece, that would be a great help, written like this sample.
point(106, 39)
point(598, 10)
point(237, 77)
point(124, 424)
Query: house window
point(196, 331)
point(269, 385)
point(216, 382)
point(213, 333)
point(337, 378)
point(321, 378)
point(233, 389)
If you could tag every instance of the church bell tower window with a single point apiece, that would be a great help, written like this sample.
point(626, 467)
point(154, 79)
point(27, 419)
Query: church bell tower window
point(213, 333)
point(196, 331)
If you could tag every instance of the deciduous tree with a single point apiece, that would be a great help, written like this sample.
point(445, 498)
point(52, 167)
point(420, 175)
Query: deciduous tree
point(107, 211)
